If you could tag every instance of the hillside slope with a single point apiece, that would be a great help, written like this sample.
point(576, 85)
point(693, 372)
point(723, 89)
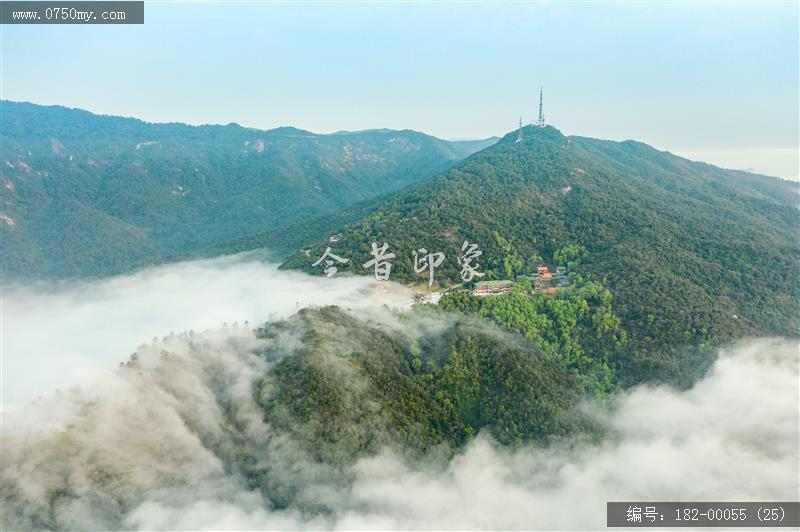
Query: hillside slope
point(85, 194)
point(693, 254)
point(289, 413)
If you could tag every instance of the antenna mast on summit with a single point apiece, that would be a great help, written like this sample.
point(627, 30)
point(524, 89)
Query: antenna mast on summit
point(519, 131)
point(540, 122)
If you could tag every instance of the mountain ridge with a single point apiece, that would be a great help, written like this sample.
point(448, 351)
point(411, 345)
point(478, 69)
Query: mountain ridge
point(87, 194)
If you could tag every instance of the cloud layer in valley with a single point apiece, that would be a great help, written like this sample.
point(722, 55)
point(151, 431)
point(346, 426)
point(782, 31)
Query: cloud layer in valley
point(160, 443)
point(734, 436)
point(59, 335)
point(155, 447)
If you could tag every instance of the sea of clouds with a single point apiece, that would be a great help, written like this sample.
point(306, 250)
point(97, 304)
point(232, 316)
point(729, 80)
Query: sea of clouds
point(151, 447)
point(57, 335)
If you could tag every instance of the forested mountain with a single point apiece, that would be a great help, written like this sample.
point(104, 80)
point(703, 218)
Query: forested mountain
point(692, 254)
point(299, 406)
point(86, 194)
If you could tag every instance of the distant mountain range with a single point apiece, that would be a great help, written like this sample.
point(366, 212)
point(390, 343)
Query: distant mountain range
point(693, 254)
point(85, 194)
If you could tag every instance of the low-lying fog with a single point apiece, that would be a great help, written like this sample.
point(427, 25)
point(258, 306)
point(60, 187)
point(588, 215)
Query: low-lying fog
point(60, 335)
point(156, 439)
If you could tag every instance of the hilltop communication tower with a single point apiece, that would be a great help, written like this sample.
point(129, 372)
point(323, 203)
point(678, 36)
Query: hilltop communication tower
point(519, 131)
point(540, 121)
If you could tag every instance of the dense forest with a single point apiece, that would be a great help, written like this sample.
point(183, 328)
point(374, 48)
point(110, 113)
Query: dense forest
point(87, 195)
point(363, 385)
point(693, 255)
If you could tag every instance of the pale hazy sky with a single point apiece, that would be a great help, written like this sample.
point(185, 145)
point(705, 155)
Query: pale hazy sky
point(712, 81)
